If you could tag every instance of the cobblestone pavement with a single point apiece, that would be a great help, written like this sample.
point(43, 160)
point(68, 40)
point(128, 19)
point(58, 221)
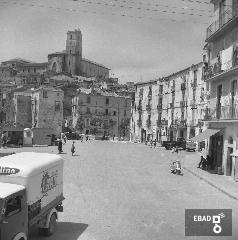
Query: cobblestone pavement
point(124, 191)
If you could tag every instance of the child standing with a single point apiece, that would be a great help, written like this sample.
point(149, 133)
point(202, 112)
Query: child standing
point(72, 148)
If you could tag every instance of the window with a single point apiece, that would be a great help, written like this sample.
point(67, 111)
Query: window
point(88, 99)
point(106, 111)
point(45, 94)
point(114, 113)
point(88, 111)
point(34, 70)
point(28, 69)
point(70, 51)
point(124, 112)
point(71, 37)
point(107, 100)
point(69, 63)
point(57, 106)
point(13, 206)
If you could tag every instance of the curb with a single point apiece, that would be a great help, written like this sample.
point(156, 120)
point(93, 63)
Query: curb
point(211, 184)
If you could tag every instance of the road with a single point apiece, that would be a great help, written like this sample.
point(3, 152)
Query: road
point(125, 191)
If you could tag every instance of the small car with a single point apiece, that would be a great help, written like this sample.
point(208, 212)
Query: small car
point(191, 145)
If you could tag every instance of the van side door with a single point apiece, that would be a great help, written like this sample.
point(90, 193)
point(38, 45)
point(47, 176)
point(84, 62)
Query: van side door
point(15, 217)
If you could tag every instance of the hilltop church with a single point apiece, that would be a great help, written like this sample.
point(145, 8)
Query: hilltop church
point(69, 61)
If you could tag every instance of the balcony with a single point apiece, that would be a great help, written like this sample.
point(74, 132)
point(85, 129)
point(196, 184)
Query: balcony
point(159, 107)
point(139, 108)
point(183, 104)
point(148, 122)
point(227, 18)
point(139, 123)
point(172, 89)
point(171, 105)
point(162, 123)
point(219, 113)
point(193, 85)
point(215, 72)
point(193, 104)
point(182, 123)
point(183, 86)
point(148, 108)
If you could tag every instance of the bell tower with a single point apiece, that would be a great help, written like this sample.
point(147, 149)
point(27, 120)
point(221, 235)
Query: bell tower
point(73, 56)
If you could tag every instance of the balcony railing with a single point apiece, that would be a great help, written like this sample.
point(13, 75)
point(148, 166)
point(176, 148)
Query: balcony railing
point(193, 104)
point(183, 104)
point(159, 107)
point(139, 108)
point(139, 122)
point(148, 122)
point(162, 123)
point(193, 85)
point(183, 86)
point(219, 23)
point(229, 112)
point(171, 105)
point(148, 108)
point(213, 70)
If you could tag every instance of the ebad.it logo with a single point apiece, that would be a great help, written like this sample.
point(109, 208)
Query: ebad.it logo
point(208, 222)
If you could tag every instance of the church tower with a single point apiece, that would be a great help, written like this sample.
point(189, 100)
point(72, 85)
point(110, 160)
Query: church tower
point(73, 56)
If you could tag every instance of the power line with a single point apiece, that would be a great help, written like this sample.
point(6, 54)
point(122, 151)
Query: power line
point(149, 9)
point(100, 13)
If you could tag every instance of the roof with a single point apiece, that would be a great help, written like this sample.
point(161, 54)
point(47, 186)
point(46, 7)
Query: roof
point(9, 188)
point(17, 60)
point(100, 65)
point(146, 82)
point(29, 163)
point(205, 135)
point(57, 53)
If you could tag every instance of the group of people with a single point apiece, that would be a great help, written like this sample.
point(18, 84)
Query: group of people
point(151, 142)
point(60, 147)
point(205, 163)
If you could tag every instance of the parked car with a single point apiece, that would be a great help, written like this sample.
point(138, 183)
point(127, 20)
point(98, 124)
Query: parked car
point(72, 136)
point(191, 145)
point(179, 143)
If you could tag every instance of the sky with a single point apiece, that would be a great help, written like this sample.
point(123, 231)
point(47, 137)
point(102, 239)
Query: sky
point(138, 40)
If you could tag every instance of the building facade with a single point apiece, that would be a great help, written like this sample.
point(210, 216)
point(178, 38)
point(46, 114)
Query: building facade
point(144, 112)
point(101, 114)
point(221, 73)
point(39, 108)
point(171, 107)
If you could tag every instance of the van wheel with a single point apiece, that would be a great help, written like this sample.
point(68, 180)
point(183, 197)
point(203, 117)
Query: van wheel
point(50, 230)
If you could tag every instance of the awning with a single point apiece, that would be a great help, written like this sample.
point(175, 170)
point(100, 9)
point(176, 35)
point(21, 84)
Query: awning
point(205, 135)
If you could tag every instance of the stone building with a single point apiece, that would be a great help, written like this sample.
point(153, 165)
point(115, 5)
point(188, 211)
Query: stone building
point(39, 108)
point(171, 107)
point(102, 114)
point(144, 112)
point(220, 72)
point(71, 61)
point(27, 71)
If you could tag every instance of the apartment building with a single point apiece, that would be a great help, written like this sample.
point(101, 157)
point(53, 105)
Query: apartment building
point(220, 72)
point(171, 107)
point(101, 114)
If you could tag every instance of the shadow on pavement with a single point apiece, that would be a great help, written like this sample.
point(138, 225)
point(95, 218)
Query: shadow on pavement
point(63, 231)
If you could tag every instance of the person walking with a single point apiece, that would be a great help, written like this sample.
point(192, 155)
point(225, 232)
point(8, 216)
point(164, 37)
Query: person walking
point(60, 146)
point(73, 148)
